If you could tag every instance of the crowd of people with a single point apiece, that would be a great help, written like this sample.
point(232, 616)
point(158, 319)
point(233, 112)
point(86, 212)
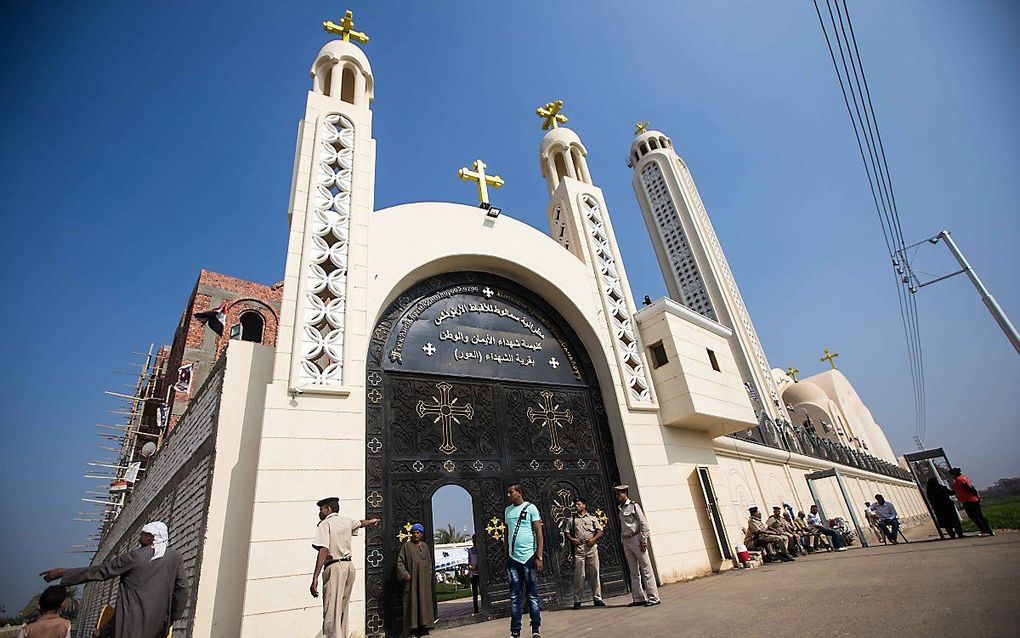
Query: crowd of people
point(153, 592)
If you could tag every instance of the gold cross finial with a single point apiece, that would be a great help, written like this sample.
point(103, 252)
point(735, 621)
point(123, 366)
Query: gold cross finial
point(345, 29)
point(792, 373)
point(551, 114)
point(830, 357)
point(641, 127)
point(484, 181)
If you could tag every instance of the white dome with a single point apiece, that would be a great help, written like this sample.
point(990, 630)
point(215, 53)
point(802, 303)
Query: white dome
point(560, 137)
point(338, 50)
point(804, 392)
point(648, 135)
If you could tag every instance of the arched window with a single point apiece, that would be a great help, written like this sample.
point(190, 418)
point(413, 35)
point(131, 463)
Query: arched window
point(653, 143)
point(561, 166)
point(324, 77)
point(635, 156)
point(644, 148)
point(662, 142)
point(347, 85)
point(252, 325)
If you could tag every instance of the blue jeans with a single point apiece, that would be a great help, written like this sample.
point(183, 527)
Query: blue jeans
point(837, 538)
point(523, 576)
point(884, 525)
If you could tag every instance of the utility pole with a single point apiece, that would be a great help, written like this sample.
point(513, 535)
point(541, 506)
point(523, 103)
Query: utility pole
point(986, 297)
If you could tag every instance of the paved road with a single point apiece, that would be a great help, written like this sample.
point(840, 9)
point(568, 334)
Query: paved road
point(965, 587)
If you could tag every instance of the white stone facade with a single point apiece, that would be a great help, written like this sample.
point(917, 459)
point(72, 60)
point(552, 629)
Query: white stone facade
point(295, 434)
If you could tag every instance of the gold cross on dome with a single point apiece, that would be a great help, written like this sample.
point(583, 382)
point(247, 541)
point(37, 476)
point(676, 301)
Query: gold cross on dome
point(550, 114)
point(830, 357)
point(484, 181)
point(641, 127)
point(792, 373)
point(345, 29)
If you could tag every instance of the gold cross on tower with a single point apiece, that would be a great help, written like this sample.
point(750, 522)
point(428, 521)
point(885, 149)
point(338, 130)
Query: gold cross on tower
point(830, 357)
point(484, 181)
point(345, 29)
point(550, 113)
point(641, 127)
point(792, 373)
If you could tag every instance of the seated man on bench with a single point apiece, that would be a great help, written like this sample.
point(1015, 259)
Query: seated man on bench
point(777, 525)
point(814, 521)
point(887, 518)
point(812, 541)
point(759, 535)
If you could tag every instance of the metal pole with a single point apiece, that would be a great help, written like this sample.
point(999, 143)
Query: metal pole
point(850, 507)
point(989, 301)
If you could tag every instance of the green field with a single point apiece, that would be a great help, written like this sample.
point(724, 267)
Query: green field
point(448, 592)
point(1002, 513)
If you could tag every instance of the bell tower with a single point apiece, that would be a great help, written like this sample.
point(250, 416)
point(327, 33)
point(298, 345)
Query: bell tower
point(331, 197)
point(579, 221)
point(692, 261)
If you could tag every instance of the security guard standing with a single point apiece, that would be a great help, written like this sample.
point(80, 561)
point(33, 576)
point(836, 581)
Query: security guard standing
point(332, 543)
point(584, 532)
point(635, 533)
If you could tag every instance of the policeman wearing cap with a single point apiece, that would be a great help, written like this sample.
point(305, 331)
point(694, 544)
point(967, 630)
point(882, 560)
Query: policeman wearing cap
point(635, 533)
point(332, 542)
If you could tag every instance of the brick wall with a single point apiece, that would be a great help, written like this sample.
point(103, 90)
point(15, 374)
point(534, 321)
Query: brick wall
point(196, 343)
point(174, 490)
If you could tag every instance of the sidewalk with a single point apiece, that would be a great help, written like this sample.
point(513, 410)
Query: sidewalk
point(962, 587)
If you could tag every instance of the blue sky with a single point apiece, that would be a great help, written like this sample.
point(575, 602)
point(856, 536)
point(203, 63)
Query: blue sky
point(144, 141)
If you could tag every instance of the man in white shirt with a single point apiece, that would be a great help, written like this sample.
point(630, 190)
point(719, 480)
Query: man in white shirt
point(887, 518)
point(817, 525)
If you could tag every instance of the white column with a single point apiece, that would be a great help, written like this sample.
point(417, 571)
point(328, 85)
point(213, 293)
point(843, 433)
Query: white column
point(336, 79)
point(360, 92)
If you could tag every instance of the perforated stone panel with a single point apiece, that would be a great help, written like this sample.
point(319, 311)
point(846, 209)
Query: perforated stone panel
point(674, 242)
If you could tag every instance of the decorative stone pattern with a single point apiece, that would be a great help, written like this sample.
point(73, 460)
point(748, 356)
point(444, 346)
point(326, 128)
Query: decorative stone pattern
point(614, 301)
point(324, 264)
point(175, 490)
point(745, 321)
point(559, 228)
point(674, 241)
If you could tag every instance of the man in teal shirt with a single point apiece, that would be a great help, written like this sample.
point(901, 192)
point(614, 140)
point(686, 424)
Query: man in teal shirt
point(525, 544)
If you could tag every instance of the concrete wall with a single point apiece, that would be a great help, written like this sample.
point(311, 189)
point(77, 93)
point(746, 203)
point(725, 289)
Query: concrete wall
point(749, 474)
point(197, 480)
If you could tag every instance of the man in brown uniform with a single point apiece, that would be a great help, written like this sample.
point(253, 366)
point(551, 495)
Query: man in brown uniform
point(332, 543)
point(635, 533)
point(584, 532)
point(777, 525)
point(759, 534)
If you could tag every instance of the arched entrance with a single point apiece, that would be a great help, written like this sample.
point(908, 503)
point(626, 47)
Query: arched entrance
point(474, 379)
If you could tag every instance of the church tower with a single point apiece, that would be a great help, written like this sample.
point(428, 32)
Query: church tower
point(579, 221)
point(692, 261)
point(331, 198)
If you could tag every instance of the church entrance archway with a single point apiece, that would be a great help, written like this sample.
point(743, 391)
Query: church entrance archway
point(473, 379)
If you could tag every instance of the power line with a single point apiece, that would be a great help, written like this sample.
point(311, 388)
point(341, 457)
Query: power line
point(853, 84)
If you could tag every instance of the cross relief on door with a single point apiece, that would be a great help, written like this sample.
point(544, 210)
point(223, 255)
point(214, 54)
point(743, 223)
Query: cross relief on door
point(447, 412)
point(551, 417)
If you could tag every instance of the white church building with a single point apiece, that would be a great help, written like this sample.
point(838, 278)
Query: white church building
point(476, 350)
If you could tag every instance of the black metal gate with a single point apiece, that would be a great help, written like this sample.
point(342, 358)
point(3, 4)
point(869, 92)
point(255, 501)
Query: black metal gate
point(473, 380)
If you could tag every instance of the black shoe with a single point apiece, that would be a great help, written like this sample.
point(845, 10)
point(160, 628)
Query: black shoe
point(599, 603)
point(787, 558)
point(638, 603)
point(651, 603)
point(577, 605)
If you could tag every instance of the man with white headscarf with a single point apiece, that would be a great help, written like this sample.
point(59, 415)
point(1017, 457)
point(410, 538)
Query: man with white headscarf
point(153, 584)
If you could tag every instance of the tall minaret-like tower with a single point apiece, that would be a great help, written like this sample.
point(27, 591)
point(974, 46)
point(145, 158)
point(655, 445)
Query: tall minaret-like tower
point(331, 198)
point(579, 221)
point(692, 261)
